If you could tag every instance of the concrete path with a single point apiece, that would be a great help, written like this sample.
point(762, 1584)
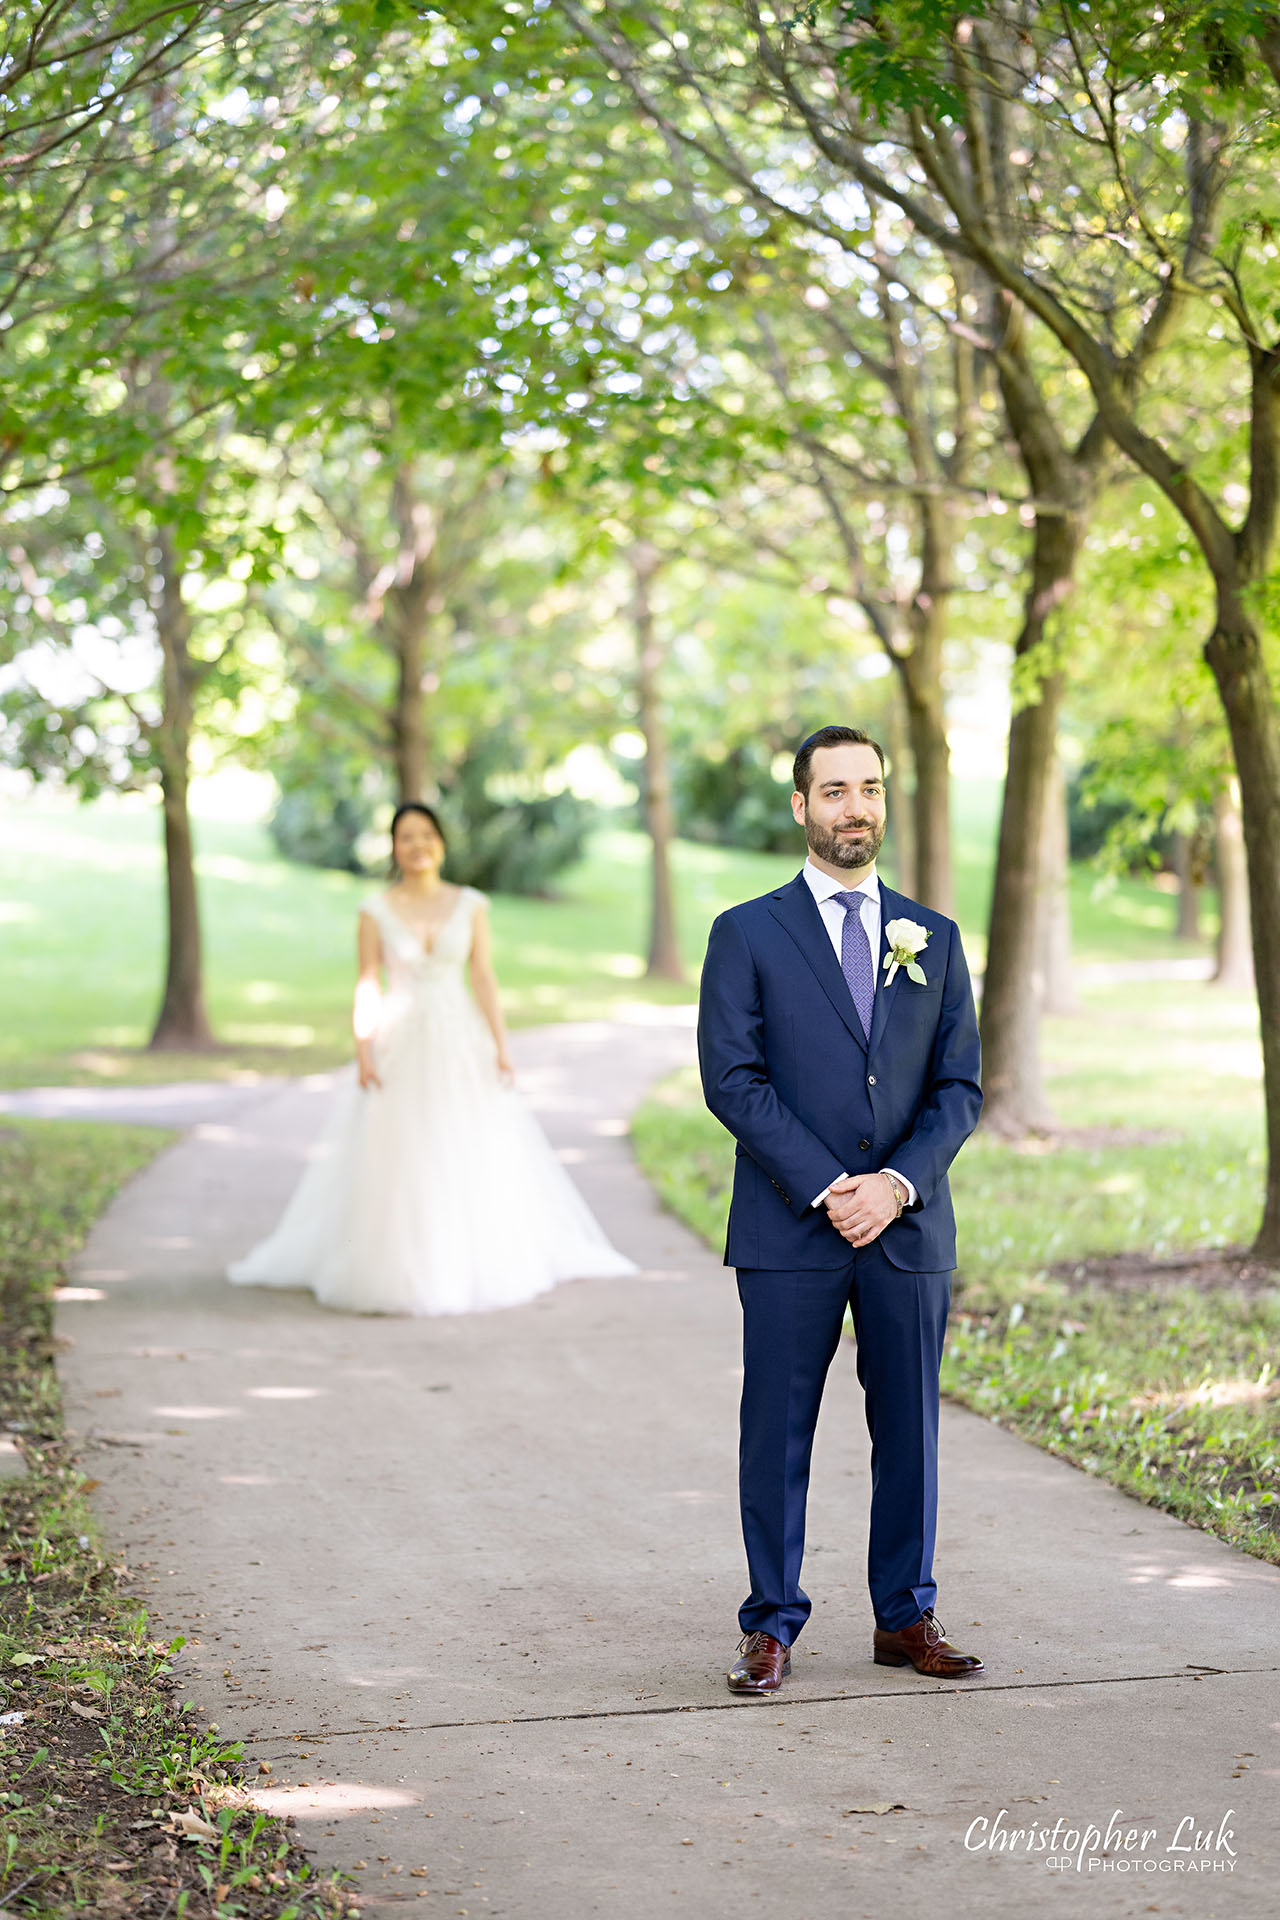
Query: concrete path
point(178, 1103)
point(1114, 973)
point(468, 1586)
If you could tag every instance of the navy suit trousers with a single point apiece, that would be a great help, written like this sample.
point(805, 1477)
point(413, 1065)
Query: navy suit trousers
point(791, 1330)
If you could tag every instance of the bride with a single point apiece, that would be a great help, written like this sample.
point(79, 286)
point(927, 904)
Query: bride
point(433, 1190)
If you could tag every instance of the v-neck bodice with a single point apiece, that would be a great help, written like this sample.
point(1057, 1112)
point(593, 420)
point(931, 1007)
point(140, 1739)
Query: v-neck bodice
point(408, 962)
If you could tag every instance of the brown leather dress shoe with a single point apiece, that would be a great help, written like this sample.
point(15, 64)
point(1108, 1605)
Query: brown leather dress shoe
point(762, 1665)
point(925, 1647)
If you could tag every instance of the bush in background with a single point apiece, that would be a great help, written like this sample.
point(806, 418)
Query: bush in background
point(321, 829)
point(507, 834)
point(733, 799)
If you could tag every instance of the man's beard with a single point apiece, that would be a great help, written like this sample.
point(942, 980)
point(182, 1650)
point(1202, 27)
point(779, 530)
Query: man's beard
point(843, 851)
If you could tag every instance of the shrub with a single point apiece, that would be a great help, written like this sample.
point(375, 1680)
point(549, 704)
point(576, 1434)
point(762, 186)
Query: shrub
point(505, 834)
point(735, 801)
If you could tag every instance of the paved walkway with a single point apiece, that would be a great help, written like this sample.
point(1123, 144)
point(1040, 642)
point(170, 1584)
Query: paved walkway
point(469, 1585)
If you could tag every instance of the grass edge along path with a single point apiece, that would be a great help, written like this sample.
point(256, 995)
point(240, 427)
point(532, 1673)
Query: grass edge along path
point(114, 1799)
point(1167, 1392)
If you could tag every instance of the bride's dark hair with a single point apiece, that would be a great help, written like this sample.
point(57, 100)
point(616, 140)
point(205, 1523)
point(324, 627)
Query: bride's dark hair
point(413, 806)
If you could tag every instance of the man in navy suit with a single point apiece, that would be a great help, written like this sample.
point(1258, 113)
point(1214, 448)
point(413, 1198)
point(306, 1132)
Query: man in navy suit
point(846, 1068)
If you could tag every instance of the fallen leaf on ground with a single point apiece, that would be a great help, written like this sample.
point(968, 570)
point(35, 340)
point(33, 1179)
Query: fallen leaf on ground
point(86, 1713)
point(192, 1826)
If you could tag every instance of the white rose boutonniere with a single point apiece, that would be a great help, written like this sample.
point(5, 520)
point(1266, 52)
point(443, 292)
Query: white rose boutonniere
point(905, 939)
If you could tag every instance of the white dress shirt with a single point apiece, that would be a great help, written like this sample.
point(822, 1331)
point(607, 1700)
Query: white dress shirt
point(824, 889)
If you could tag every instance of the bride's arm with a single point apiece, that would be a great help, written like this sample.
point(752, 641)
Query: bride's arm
point(484, 985)
point(368, 1000)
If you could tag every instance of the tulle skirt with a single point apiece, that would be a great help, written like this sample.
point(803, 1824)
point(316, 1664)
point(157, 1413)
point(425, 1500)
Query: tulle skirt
point(437, 1192)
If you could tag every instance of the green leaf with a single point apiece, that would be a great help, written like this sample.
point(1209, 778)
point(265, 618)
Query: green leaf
point(916, 973)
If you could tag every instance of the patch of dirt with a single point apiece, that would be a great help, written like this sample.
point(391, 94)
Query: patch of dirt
point(86, 1841)
point(1207, 1268)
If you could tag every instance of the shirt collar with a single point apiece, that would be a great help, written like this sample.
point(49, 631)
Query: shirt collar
point(822, 886)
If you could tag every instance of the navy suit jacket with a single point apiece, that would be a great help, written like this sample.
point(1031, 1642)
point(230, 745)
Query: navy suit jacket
point(788, 1070)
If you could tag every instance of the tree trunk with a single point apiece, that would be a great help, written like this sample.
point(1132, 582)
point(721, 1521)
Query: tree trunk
point(182, 1024)
point(664, 951)
point(1066, 480)
point(903, 839)
point(406, 617)
point(1235, 656)
point(1187, 919)
point(408, 720)
point(1057, 986)
point(1013, 1082)
point(1235, 951)
point(926, 714)
point(1012, 1076)
point(931, 801)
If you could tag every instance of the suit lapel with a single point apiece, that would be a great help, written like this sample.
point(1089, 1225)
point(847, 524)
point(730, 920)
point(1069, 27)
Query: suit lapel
point(795, 908)
point(892, 907)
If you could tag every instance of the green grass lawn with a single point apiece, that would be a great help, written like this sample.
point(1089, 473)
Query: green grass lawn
point(1168, 1391)
point(82, 943)
point(1110, 919)
point(82, 937)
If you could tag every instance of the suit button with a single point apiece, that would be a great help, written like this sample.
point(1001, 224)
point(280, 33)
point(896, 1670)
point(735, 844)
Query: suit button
point(871, 1079)
point(864, 1146)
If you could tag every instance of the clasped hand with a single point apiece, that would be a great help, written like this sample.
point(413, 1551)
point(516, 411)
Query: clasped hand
point(861, 1205)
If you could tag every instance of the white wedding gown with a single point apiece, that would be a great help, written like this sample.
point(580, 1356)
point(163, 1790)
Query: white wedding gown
point(437, 1192)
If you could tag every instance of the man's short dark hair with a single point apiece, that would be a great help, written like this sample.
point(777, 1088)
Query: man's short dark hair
point(802, 771)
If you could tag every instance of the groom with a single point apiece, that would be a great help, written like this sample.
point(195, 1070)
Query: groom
point(838, 1044)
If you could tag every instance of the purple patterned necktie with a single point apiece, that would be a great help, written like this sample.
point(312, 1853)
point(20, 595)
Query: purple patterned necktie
point(855, 957)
